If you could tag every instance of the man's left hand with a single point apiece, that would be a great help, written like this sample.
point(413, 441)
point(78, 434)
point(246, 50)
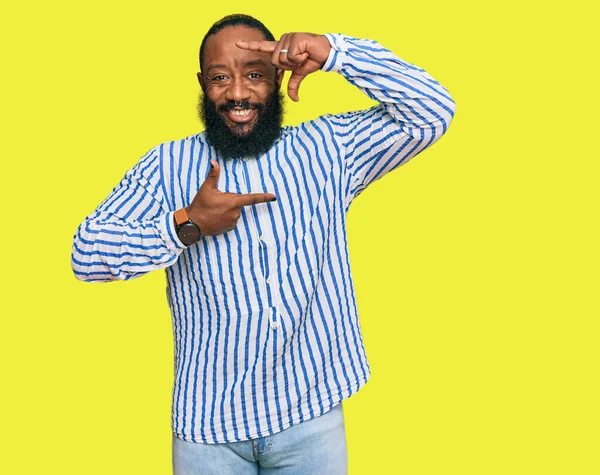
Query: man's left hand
point(303, 54)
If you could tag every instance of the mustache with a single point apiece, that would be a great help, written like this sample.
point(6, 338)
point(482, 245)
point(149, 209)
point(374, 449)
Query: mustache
point(227, 106)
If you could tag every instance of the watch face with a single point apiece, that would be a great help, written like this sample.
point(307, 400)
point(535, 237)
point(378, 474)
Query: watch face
point(189, 233)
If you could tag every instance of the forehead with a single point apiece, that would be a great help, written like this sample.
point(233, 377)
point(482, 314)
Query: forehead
point(220, 48)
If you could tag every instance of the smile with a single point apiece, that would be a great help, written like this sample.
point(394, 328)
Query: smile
point(240, 116)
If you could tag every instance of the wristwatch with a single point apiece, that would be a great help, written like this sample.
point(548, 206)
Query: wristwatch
point(187, 231)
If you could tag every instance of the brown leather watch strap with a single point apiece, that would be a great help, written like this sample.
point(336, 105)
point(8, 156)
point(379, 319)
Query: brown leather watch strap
point(181, 216)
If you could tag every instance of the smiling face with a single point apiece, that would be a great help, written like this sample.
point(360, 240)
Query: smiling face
point(238, 82)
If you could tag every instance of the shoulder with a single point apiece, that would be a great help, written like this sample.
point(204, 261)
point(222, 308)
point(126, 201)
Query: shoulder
point(173, 151)
point(336, 124)
point(187, 141)
point(348, 118)
point(320, 122)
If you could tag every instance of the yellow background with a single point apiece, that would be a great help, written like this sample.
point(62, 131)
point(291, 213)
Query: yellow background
point(476, 264)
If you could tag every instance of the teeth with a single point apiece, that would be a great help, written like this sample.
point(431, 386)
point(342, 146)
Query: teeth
point(241, 113)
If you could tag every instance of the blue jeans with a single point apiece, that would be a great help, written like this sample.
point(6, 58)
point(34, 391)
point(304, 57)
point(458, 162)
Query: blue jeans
point(313, 447)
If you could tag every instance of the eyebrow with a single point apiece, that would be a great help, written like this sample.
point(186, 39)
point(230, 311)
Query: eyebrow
point(215, 66)
point(253, 62)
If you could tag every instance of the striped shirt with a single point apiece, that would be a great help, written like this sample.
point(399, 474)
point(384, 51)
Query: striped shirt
point(265, 323)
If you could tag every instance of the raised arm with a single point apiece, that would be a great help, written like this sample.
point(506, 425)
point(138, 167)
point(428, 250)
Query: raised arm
point(131, 232)
point(414, 110)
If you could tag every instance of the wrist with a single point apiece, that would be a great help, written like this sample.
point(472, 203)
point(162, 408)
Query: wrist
point(324, 48)
point(187, 230)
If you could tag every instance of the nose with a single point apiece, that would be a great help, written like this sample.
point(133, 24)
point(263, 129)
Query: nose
point(237, 91)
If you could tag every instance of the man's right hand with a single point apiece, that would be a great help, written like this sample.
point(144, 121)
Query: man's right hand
point(217, 212)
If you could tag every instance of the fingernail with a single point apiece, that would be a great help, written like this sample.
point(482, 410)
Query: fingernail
point(274, 198)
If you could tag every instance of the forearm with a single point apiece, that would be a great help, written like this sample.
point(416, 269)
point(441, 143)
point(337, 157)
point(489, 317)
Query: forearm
point(412, 98)
point(109, 248)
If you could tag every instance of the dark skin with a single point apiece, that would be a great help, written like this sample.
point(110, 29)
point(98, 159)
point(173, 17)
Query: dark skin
point(239, 64)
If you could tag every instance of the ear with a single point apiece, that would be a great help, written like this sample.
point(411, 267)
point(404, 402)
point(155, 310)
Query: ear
point(200, 80)
point(279, 76)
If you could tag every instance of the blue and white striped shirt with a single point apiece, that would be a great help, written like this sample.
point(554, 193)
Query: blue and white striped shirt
point(265, 324)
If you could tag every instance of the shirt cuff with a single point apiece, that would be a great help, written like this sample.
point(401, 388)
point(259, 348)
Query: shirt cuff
point(168, 233)
point(334, 60)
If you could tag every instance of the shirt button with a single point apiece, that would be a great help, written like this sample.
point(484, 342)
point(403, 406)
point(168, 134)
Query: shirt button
point(274, 325)
point(269, 280)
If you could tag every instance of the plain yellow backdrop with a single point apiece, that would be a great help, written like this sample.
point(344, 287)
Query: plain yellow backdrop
point(475, 265)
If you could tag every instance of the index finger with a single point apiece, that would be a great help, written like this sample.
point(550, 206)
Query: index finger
point(255, 198)
point(258, 45)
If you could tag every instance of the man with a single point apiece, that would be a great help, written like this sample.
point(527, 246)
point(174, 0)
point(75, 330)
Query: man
point(248, 219)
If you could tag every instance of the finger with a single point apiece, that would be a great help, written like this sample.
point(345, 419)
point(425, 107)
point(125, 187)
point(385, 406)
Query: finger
point(255, 198)
point(294, 85)
point(296, 59)
point(213, 175)
point(284, 53)
point(264, 46)
point(297, 53)
point(276, 54)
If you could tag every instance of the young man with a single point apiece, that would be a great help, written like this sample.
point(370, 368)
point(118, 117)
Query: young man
point(248, 220)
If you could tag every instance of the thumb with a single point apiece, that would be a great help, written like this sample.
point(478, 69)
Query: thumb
point(294, 84)
point(213, 175)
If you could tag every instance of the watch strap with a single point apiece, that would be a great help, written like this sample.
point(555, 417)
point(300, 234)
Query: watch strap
point(181, 216)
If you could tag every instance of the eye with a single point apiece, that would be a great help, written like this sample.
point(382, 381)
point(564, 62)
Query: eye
point(255, 75)
point(220, 77)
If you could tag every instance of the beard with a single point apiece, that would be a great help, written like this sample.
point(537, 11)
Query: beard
point(233, 144)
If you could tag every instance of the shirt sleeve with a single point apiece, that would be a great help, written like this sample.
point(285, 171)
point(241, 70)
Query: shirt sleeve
point(414, 110)
point(131, 232)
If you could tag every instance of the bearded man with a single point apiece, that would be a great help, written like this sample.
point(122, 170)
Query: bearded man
point(248, 219)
